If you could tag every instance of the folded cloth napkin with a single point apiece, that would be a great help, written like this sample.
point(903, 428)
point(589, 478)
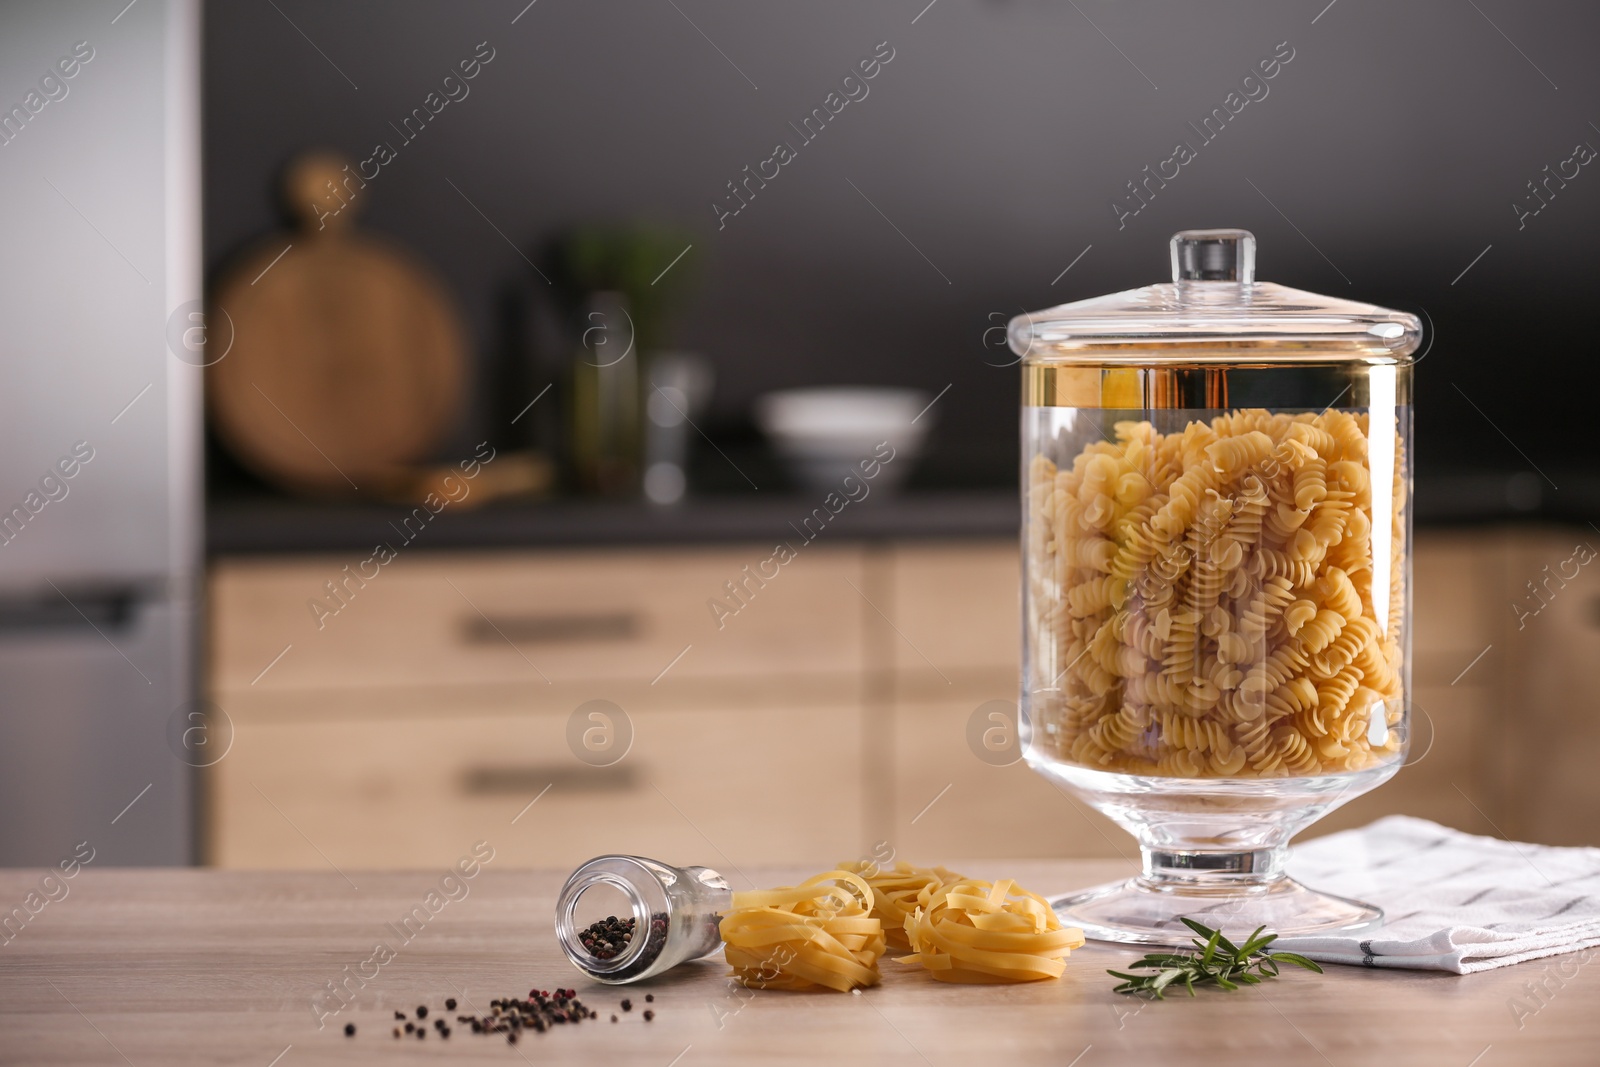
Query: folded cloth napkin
point(1451, 901)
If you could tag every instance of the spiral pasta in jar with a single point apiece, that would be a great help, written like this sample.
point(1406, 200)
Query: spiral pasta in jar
point(1215, 517)
point(1201, 600)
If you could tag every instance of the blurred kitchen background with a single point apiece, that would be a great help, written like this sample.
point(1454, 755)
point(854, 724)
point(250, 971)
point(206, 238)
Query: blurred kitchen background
point(504, 305)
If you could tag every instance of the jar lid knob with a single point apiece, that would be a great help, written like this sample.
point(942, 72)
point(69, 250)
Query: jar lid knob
point(1214, 256)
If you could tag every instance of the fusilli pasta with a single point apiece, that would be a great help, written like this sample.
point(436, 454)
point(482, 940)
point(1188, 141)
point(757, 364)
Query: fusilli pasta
point(1201, 602)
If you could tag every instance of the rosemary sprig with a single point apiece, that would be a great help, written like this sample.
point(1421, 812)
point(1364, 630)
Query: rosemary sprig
point(1216, 960)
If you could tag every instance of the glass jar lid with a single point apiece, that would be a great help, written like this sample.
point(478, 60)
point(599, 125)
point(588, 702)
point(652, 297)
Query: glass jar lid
point(1214, 311)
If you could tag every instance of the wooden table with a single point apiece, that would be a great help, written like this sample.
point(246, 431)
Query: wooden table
point(192, 966)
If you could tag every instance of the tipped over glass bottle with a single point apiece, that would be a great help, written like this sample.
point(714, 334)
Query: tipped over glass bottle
point(621, 919)
point(1216, 578)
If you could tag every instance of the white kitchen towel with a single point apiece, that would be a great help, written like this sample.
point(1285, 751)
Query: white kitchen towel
point(1451, 901)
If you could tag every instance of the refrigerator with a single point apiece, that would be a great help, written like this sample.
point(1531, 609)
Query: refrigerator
point(102, 347)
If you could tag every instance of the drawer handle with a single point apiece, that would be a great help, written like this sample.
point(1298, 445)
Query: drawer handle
point(551, 628)
point(108, 608)
point(528, 780)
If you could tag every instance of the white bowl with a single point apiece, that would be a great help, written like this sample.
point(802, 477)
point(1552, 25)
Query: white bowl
point(825, 435)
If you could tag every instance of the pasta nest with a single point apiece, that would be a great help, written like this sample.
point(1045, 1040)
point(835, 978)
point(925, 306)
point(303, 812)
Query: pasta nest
point(896, 891)
point(821, 934)
point(971, 931)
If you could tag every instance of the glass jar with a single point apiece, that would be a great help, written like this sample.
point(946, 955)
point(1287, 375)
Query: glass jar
point(1216, 579)
point(646, 917)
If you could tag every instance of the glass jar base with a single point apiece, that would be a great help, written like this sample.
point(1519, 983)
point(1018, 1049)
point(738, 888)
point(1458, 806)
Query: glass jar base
point(1144, 912)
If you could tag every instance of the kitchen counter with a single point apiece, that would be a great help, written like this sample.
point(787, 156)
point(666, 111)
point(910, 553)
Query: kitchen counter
point(261, 523)
point(240, 527)
point(179, 967)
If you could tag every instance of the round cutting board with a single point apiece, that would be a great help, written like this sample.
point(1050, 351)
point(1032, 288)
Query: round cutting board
point(347, 364)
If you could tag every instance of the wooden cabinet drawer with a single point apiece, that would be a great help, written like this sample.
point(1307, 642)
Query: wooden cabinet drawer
point(1548, 728)
point(449, 619)
point(723, 788)
point(948, 802)
point(956, 608)
point(1453, 605)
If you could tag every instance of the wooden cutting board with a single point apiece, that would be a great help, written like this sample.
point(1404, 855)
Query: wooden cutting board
point(347, 362)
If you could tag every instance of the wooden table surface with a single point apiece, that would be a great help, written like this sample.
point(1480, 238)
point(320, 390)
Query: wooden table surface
point(168, 967)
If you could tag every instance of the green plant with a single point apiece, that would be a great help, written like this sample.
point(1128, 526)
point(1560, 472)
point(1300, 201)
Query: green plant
point(634, 261)
point(1216, 961)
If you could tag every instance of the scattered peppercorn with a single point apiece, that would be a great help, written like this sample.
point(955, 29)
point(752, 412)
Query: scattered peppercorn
point(513, 1016)
point(400, 1015)
point(421, 1034)
point(422, 1011)
point(349, 1029)
point(650, 998)
point(450, 1004)
point(648, 1015)
point(627, 1005)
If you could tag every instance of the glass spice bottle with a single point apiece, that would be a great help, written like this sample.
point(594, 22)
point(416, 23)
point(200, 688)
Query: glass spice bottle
point(675, 913)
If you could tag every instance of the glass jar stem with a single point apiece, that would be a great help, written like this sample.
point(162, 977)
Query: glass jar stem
point(1184, 869)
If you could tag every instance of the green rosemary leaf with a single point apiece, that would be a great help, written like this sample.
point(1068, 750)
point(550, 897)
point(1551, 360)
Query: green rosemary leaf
point(1166, 978)
point(1212, 961)
point(1296, 959)
point(1255, 943)
point(1163, 959)
point(1206, 931)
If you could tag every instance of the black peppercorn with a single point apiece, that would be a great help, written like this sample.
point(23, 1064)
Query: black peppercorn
point(411, 1028)
point(512, 1015)
point(604, 939)
point(349, 1029)
point(613, 1018)
point(400, 1015)
point(627, 1005)
point(450, 1004)
point(648, 1015)
point(422, 1011)
point(650, 997)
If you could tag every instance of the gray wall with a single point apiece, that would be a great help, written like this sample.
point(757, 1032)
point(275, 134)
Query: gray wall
point(1391, 147)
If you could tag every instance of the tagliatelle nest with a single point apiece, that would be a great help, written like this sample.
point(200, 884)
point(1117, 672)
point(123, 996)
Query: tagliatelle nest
point(819, 934)
point(981, 932)
point(896, 891)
